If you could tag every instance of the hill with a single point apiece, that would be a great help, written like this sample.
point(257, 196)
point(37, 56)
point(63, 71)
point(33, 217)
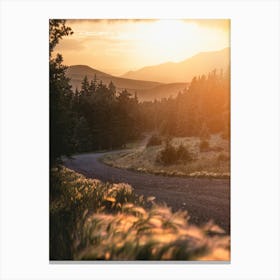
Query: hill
point(184, 71)
point(78, 72)
point(146, 90)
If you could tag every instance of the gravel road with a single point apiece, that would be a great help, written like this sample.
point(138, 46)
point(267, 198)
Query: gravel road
point(204, 199)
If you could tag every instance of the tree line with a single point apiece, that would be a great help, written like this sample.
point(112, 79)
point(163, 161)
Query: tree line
point(200, 110)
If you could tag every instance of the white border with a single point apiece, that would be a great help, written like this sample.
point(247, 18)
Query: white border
point(255, 138)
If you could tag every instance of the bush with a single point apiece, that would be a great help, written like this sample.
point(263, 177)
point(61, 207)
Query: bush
point(204, 146)
point(168, 155)
point(183, 154)
point(154, 140)
point(172, 155)
point(96, 221)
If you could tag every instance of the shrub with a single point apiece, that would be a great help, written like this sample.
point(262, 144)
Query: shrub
point(168, 155)
point(154, 140)
point(183, 154)
point(172, 155)
point(204, 146)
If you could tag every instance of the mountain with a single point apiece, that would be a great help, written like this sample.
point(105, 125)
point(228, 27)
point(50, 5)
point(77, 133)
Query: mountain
point(146, 90)
point(78, 72)
point(171, 72)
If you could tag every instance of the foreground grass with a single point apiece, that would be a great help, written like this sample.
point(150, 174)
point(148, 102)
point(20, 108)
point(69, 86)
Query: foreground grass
point(90, 220)
point(213, 162)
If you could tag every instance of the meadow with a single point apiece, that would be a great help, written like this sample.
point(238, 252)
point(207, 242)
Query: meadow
point(207, 157)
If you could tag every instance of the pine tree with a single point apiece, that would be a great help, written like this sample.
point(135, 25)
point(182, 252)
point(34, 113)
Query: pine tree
point(92, 88)
point(85, 87)
point(61, 96)
point(112, 89)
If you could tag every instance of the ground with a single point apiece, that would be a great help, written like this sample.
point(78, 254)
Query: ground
point(204, 198)
point(213, 162)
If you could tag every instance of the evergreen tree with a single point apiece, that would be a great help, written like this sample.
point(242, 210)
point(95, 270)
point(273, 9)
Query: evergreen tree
point(61, 95)
point(85, 87)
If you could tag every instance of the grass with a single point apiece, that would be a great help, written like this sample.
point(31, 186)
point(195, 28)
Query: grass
point(90, 220)
point(213, 162)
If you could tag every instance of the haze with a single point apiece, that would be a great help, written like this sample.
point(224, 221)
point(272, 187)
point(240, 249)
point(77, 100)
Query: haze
point(119, 46)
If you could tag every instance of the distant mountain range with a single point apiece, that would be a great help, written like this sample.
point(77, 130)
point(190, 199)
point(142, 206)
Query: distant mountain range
point(172, 72)
point(146, 90)
point(78, 72)
point(159, 81)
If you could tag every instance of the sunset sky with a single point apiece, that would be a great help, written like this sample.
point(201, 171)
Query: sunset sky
point(118, 46)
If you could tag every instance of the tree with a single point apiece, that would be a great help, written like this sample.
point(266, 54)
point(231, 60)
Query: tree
point(85, 88)
point(112, 89)
point(57, 30)
point(61, 95)
point(92, 88)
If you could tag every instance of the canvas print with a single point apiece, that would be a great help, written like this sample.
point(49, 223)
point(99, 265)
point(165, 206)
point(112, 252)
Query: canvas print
point(139, 139)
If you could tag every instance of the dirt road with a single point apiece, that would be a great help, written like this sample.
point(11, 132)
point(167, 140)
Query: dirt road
point(204, 199)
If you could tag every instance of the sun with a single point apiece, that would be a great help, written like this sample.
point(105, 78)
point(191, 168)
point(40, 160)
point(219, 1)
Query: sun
point(167, 39)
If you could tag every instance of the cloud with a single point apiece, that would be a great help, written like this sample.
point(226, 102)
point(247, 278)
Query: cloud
point(109, 21)
point(212, 23)
point(223, 24)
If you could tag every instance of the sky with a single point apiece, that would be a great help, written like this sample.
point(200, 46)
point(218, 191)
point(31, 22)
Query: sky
point(117, 46)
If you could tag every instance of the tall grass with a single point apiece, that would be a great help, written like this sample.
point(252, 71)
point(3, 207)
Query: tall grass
point(90, 220)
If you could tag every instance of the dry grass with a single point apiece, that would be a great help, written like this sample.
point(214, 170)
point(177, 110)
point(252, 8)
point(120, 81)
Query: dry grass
point(90, 220)
point(214, 162)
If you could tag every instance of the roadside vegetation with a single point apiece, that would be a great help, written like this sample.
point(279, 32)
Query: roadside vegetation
point(91, 220)
point(180, 156)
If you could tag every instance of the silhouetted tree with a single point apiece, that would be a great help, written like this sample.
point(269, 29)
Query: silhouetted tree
point(61, 119)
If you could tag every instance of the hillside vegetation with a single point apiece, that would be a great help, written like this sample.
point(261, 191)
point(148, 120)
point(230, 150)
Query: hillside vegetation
point(91, 220)
point(196, 157)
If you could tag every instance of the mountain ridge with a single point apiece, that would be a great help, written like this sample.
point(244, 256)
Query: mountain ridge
point(146, 90)
point(183, 71)
point(77, 73)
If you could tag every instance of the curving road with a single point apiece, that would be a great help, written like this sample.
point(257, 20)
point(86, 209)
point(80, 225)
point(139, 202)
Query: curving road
point(204, 199)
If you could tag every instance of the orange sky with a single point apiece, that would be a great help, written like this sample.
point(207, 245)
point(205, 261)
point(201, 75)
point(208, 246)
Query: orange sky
point(118, 46)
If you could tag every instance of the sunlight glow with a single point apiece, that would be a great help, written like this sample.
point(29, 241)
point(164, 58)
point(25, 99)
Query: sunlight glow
point(118, 46)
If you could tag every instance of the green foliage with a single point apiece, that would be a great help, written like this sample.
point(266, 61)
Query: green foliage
point(90, 220)
point(154, 140)
point(173, 155)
